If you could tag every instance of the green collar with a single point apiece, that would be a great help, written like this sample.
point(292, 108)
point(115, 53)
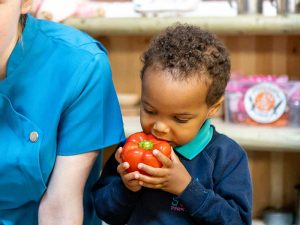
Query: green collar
point(195, 146)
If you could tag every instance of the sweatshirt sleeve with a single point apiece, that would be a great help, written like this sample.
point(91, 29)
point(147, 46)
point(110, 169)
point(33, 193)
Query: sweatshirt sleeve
point(228, 203)
point(113, 201)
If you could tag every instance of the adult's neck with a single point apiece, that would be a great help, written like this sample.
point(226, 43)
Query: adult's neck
point(4, 56)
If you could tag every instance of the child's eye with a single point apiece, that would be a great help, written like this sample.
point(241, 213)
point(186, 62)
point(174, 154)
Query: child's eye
point(148, 111)
point(181, 120)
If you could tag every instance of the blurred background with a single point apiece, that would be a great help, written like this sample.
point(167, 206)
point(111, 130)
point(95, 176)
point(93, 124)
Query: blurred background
point(262, 106)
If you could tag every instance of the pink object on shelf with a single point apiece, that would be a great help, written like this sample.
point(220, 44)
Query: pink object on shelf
point(239, 85)
point(90, 9)
point(55, 10)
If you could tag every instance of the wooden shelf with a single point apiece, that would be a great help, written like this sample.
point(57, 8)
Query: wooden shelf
point(231, 25)
point(251, 138)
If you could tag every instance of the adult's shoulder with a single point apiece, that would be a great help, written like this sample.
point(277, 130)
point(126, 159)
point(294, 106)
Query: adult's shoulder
point(70, 37)
point(68, 57)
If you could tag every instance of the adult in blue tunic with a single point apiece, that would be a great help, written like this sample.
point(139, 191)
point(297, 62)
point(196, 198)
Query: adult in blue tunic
point(58, 108)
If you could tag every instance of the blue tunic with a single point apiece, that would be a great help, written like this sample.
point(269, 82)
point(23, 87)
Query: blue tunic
point(58, 98)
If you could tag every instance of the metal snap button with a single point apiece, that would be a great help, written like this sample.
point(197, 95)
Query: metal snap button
point(34, 136)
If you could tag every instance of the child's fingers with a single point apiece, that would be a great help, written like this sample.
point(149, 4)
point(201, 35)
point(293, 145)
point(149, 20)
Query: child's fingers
point(131, 176)
point(122, 167)
point(151, 182)
point(118, 155)
point(152, 171)
point(153, 186)
point(162, 158)
point(131, 181)
point(133, 185)
point(174, 157)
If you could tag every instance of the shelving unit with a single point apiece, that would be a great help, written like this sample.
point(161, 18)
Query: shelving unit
point(229, 25)
point(257, 45)
point(252, 138)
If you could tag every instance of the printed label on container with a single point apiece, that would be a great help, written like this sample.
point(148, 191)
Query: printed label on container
point(265, 102)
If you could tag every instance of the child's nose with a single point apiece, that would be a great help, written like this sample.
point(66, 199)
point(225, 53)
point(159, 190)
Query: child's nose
point(160, 128)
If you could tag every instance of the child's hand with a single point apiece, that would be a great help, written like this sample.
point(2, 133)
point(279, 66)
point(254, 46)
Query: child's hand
point(130, 180)
point(172, 177)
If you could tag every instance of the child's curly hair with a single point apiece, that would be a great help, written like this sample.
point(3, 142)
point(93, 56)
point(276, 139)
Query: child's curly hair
point(187, 51)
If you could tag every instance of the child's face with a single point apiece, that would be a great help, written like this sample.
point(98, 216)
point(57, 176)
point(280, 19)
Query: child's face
point(173, 110)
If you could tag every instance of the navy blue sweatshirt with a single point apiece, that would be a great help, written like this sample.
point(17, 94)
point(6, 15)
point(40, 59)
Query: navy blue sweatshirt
point(220, 192)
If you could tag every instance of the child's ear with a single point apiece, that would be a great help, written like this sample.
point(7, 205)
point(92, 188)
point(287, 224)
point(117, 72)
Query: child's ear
point(26, 6)
point(215, 107)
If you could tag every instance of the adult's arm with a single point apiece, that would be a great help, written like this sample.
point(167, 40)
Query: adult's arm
point(62, 203)
point(91, 120)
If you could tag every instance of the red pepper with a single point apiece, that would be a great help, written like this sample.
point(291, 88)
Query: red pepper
point(138, 149)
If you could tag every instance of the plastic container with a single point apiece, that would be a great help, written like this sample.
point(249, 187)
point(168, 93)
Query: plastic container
point(278, 217)
point(257, 100)
point(263, 100)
